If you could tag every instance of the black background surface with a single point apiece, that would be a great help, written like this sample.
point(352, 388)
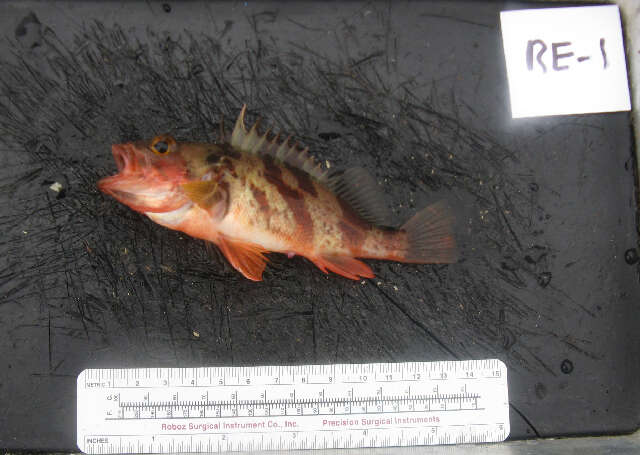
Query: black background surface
point(414, 92)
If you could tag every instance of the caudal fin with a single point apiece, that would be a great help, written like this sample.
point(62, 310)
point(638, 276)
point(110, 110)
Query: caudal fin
point(430, 236)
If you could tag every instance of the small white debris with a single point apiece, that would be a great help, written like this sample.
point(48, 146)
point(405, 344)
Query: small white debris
point(395, 288)
point(196, 334)
point(328, 164)
point(56, 186)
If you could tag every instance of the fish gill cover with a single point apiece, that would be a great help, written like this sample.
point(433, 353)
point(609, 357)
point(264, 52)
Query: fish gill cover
point(100, 272)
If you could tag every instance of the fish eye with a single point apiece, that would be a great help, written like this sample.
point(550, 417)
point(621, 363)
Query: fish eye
point(162, 145)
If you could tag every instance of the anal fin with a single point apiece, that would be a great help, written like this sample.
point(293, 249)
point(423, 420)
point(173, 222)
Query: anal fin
point(247, 258)
point(346, 266)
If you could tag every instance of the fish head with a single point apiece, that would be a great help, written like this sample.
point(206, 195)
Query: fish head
point(150, 175)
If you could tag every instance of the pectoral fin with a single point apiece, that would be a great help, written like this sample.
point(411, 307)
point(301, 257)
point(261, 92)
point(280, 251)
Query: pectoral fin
point(209, 195)
point(247, 258)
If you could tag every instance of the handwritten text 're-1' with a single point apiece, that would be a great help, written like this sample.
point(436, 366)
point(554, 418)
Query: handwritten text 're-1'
point(556, 55)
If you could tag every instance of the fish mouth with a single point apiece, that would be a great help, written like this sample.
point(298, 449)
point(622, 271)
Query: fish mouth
point(136, 184)
point(125, 157)
point(124, 188)
point(120, 157)
point(128, 181)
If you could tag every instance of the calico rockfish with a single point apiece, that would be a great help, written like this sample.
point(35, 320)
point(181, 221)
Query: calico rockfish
point(254, 193)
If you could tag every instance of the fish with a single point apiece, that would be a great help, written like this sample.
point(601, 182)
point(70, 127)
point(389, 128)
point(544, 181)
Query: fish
point(254, 193)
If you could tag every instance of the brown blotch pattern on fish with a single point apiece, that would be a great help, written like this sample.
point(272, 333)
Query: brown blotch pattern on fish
point(214, 156)
point(394, 241)
point(353, 236)
point(230, 151)
point(303, 218)
point(273, 175)
point(293, 197)
point(271, 168)
point(305, 182)
point(352, 226)
point(228, 164)
point(260, 197)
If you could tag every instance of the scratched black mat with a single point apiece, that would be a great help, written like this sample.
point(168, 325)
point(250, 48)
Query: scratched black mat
point(414, 92)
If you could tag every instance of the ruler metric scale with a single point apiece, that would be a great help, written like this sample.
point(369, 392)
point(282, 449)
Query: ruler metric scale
point(218, 409)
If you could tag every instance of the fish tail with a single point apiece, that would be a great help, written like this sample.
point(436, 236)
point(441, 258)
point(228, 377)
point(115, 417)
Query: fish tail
point(429, 236)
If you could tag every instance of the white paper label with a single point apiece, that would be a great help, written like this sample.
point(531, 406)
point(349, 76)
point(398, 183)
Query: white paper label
point(565, 61)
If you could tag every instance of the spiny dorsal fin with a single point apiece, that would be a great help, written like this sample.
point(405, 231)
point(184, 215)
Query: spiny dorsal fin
point(359, 189)
point(253, 142)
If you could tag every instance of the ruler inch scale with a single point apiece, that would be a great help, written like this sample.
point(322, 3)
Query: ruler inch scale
point(219, 409)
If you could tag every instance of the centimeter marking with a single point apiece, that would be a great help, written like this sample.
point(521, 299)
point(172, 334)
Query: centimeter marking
point(163, 410)
point(284, 404)
point(233, 376)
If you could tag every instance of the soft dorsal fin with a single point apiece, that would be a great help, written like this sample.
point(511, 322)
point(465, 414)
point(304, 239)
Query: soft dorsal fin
point(247, 258)
point(208, 195)
point(253, 142)
point(356, 186)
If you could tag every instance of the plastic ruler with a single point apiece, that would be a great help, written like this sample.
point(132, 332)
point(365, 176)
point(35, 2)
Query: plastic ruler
point(218, 409)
